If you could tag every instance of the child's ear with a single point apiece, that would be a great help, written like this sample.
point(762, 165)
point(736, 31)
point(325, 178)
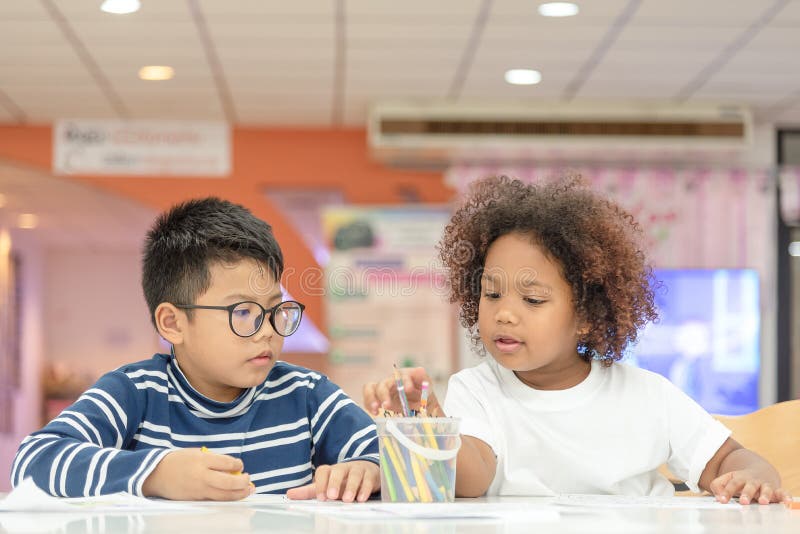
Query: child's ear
point(583, 328)
point(170, 322)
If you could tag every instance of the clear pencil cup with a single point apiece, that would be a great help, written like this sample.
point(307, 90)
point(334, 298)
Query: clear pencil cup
point(418, 458)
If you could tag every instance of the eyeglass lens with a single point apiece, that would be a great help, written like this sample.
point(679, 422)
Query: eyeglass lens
point(247, 317)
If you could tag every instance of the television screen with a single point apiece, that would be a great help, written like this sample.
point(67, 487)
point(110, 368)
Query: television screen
point(707, 338)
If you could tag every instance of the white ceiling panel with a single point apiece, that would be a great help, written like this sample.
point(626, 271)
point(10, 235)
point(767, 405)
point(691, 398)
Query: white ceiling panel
point(789, 15)
point(178, 96)
point(42, 32)
point(520, 38)
point(379, 31)
point(601, 11)
point(293, 63)
point(151, 11)
point(119, 64)
point(6, 115)
point(38, 53)
point(252, 8)
point(283, 116)
point(22, 11)
point(40, 77)
point(355, 114)
point(387, 58)
point(248, 102)
point(486, 87)
point(675, 38)
point(253, 56)
point(789, 116)
point(776, 38)
point(636, 88)
point(71, 213)
point(123, 31)
point(251, 31)
point(58, 102)
point(276, 76)
point(706, 13)
point(546, 62)
point(463, 10)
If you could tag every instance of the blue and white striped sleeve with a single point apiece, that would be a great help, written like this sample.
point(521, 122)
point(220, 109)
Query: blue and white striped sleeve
point(82, 451)
point(340, 430)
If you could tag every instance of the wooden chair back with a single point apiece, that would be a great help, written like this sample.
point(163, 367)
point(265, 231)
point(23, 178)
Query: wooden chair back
point(774, 433)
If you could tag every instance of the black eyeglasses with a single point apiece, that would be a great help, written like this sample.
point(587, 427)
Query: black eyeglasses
point(247, 317)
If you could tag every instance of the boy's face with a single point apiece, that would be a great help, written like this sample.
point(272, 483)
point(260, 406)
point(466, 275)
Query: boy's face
point(526, 316)
point(217, 362)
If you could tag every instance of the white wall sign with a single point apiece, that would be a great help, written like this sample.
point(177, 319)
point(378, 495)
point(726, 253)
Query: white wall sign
point(141, 148)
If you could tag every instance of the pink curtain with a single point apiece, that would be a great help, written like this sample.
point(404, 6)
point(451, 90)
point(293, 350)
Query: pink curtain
point(692, 218)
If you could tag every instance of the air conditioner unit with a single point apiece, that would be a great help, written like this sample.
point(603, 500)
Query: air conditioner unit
point(424, 134)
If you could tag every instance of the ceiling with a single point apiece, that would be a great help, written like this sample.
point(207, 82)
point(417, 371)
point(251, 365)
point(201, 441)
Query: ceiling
point(71, 214)
point(314, 63)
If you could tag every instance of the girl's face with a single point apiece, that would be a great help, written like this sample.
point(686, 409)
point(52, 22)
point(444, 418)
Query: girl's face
point(526, 316)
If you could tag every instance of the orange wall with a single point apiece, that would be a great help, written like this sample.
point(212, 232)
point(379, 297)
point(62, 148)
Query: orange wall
point(294, 158)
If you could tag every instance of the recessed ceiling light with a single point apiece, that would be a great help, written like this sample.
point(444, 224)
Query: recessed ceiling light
point(558, 9)
point(523, 76)
point(156, 72)
point(27, 221)
point(121, 7)
point(794, 248)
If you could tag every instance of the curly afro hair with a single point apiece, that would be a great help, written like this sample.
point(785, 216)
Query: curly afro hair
point(593, 240)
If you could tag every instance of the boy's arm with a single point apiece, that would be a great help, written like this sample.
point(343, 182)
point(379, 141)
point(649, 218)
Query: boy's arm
point(340, 430)
point(81, 452)
point(734, 470)
point(344, 445)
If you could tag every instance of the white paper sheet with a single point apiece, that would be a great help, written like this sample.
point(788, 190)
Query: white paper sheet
point(253, 501)
point(28, 498)
point(623, 501)
point(459, 510)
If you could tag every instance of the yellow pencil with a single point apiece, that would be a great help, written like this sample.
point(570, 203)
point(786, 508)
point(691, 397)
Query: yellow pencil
point(422, 484)
point(205, 449)
point(429, 434)
point(387, 445)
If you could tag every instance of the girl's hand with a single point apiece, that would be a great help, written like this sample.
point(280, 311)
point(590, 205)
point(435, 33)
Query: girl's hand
point(748, 487)
point(383, 395)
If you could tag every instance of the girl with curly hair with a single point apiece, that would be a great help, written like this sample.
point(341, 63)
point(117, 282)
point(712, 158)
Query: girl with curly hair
point(552, 282)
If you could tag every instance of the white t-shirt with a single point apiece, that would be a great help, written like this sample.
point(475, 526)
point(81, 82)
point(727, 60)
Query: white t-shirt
point(606, 435)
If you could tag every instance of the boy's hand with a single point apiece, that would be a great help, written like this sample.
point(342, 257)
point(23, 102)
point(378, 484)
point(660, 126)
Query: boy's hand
point(750, 488)
point(383, 395)
point(348, 481)
point(192, 475)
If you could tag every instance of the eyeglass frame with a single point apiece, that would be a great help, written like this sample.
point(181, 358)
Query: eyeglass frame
point(268, 312)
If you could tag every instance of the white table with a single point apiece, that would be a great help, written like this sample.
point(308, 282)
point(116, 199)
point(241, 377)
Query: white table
point(285, 517)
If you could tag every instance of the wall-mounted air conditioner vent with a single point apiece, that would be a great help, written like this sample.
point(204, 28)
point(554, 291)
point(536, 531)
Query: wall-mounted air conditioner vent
point(415, 134)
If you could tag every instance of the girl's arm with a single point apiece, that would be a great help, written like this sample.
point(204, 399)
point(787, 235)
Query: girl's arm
point(475, 463)
point(734, 470)
point(475, 467)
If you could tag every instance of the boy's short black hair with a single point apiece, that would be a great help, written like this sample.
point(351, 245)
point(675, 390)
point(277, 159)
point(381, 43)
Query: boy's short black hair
point(185, 240)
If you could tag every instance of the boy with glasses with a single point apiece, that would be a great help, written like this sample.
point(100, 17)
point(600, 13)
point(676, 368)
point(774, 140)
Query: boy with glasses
point(220, 417)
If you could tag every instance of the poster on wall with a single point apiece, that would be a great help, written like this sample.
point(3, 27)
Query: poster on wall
point(141, 148)
point(386, 298)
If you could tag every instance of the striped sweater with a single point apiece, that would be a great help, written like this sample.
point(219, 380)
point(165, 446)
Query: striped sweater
point(115, 434)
